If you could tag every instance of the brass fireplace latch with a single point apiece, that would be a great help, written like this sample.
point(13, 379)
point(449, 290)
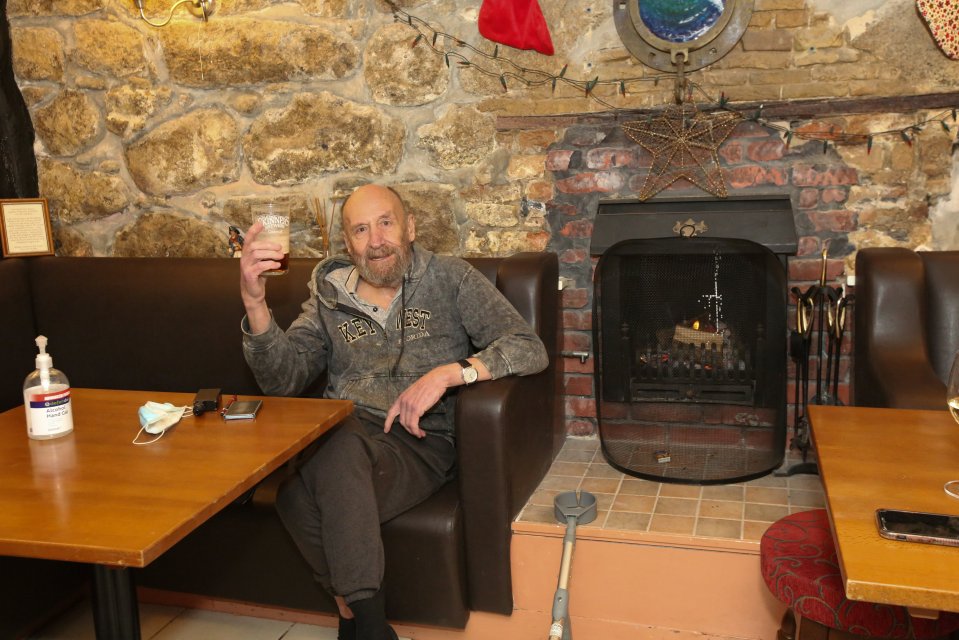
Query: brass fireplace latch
point(690, 228)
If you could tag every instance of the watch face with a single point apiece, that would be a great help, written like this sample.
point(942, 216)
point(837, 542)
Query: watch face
point(469, 375)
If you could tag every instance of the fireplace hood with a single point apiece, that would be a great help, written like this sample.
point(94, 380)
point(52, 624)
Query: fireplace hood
point(764, 219)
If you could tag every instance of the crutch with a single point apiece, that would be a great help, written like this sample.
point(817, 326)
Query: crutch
point(568, 507)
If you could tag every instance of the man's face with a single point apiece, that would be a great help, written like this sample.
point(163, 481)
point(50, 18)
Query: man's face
point(378, 236)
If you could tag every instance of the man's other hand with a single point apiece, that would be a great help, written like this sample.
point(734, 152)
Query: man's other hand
point(419, 397)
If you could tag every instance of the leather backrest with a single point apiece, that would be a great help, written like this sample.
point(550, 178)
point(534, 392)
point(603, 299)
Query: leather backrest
point(906, 326)
point(153, 323)
point(174, 324)
point(17, 331)
point(942, 296)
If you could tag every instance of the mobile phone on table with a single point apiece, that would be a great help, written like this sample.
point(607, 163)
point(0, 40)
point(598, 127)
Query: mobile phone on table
point(916, 526)
point(242, 410)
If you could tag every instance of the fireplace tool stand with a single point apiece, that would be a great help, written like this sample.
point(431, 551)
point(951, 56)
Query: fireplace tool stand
point(820, 309)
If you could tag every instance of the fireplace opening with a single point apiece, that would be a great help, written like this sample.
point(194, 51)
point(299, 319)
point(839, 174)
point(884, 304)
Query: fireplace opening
point(690, 343)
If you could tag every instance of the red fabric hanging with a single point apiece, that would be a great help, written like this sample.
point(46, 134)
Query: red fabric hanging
point(516, 23)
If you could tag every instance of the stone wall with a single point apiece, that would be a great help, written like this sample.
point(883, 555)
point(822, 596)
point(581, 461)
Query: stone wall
point(151, 141)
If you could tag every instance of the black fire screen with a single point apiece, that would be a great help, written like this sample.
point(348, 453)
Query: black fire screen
point(690, 335)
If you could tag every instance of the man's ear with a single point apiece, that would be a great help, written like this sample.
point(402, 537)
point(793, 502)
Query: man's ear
point(410, 228)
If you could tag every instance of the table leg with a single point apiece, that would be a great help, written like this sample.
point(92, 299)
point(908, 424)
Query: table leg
point(116, 614)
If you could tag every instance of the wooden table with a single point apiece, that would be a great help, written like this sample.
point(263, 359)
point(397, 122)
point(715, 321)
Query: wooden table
point(92, 496)
point(889, 458)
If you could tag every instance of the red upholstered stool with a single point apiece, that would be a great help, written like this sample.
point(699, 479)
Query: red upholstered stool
point(800, 567)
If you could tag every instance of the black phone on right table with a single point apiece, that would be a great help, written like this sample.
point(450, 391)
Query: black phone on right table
point(916, 526)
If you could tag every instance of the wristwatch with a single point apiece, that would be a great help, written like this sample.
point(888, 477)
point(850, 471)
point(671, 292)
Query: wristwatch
point(469, 373)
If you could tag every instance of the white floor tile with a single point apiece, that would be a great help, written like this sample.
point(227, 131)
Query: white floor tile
point(196, 624)
point(310, 632)
point(77, 622)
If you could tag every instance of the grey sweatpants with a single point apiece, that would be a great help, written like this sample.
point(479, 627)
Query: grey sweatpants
point(359, 478)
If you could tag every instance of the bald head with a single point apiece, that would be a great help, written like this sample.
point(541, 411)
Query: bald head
point(374, 196)
point(378, 234)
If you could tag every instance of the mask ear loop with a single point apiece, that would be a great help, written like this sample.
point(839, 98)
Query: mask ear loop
point(148, 442)
point(187, 413)
point(952, 488)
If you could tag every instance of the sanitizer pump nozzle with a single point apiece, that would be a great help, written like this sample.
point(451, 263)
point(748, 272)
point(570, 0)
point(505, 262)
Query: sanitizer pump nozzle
point(46, 398)
point(44, 362)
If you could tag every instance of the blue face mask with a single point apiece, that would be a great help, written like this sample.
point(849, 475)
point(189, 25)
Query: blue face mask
point(156, 418)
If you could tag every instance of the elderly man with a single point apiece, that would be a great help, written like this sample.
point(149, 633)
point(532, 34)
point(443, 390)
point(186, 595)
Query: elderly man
point(394, 328)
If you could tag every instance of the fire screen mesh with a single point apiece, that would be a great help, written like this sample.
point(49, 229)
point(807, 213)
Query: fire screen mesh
point(690, 335)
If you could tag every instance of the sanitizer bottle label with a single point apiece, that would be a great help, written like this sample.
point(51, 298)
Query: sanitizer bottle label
point(49, 412)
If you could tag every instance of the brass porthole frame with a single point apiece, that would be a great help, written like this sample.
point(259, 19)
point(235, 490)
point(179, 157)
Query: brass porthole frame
point(700, 52)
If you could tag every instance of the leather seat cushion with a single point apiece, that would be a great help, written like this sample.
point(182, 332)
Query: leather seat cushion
point(801, 568)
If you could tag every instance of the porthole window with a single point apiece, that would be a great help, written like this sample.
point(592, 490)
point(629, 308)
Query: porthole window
point(666, 33)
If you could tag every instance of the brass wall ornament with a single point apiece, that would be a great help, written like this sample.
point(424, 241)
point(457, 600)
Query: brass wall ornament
point(681, 35)
point(690, 228)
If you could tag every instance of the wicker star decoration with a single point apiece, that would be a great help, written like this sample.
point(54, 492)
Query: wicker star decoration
point(684, 143)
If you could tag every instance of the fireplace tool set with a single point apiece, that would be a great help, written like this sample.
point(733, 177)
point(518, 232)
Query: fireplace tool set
point(820, 310)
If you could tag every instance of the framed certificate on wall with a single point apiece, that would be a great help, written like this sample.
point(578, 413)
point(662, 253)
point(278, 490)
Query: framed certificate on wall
point(25, 227)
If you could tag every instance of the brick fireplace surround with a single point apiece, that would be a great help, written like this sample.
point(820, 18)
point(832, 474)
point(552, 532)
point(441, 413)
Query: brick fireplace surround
point(595, 161)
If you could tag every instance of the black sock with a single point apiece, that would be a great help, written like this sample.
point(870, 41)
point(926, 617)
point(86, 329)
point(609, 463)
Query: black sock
point(370, 617)
point(347, 629)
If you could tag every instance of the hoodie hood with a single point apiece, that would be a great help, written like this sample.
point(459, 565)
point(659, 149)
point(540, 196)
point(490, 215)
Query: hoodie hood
point(330, 296)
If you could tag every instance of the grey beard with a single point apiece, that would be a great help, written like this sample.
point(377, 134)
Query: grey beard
point(393, 276)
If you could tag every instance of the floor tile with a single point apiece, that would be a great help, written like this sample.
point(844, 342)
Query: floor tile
point(623, 521)
point(544, 497)
point(662, 523)
point(600, 485)
point(806, 498)
point(676, 506)
point(588, 444)
point(727, 509)
point(536, 513)
point(769, 481)
point(805, 481)
point(719, 528)
point(77, 622)
point(197, 624)
point(680, 490)
point(723, 492)
point(767, 495)
point(562, 468)
point(310, 632)
point(636, 486)
point(559, 483)
point(764, 512)
point(575, 455)
point(602, 470)
point(643, 504)
point(754, 530)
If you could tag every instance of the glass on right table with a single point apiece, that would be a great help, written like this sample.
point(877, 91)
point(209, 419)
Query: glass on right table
point(952, 388)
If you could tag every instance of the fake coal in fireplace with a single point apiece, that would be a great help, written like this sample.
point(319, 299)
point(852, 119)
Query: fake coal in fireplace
point(690, 338)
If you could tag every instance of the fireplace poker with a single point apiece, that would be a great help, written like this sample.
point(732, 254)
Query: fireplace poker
point(839, 329)
point(804, 313)
point(831, 302)
point(821, 294)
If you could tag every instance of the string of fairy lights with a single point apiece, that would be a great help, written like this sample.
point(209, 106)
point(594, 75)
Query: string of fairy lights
point(440, 43)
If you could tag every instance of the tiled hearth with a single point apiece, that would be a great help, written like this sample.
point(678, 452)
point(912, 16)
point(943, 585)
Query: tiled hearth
point(740, 511)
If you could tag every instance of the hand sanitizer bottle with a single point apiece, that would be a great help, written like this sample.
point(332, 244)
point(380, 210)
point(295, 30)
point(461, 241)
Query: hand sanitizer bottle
point(46, 398)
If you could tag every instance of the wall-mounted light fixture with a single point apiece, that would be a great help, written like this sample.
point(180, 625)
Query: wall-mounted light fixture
point(200, 8)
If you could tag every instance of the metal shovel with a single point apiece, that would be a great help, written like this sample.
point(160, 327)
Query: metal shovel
point(569, 507)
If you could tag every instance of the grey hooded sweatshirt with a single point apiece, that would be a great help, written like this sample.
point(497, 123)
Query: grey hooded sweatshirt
point(446, 311)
